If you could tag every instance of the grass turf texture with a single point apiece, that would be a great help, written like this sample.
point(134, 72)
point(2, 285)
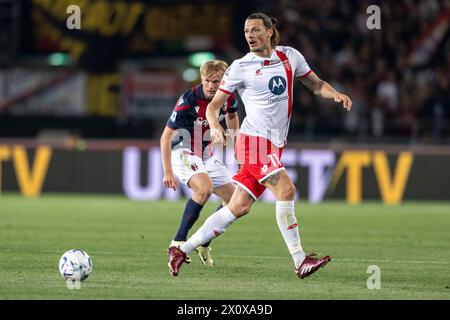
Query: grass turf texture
point(127, 242)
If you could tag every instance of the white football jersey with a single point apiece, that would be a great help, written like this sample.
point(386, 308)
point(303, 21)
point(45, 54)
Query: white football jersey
point(265, 86)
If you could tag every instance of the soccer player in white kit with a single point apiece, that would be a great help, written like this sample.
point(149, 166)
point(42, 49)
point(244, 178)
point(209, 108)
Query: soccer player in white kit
point(264, 80)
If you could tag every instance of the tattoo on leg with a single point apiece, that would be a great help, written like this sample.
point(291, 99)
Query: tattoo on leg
point(273, 180)
point(250, 197)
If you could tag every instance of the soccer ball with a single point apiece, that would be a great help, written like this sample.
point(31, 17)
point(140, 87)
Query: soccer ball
point(75, 265)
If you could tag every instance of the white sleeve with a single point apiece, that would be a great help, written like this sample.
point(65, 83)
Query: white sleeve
point(233, 78)
point(301, 66)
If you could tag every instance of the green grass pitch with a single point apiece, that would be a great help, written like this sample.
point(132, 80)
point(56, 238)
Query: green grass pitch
point(127, 242)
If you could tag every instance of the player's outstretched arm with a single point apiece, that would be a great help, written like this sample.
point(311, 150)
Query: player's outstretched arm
point(324, 89)
point(212, 115)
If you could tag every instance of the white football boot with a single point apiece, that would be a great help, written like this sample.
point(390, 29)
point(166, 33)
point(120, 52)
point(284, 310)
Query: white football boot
point(205, 256)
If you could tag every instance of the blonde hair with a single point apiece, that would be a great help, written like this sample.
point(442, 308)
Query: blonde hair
point(213, 66)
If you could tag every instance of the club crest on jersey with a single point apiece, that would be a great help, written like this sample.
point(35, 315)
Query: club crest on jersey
point(194, 167)
point(287, 65)
point(277, 85)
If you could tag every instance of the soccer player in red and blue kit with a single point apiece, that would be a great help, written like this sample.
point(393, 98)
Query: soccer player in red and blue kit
point(187, 151)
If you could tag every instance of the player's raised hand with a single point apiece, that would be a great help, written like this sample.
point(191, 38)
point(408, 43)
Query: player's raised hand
point(218, 135)
point(346, 102)
point(169, 181)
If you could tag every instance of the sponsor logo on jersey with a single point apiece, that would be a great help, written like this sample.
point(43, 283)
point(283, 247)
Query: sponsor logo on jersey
point(180, 101)
point(264, 169)
point(277, 99)
point(277, 85)
point(204, 122)
point(266, 63)
point(201, 122)
point(173, 117)
point(196, 109)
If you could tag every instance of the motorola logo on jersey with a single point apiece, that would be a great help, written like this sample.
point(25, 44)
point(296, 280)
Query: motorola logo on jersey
point(277, 85)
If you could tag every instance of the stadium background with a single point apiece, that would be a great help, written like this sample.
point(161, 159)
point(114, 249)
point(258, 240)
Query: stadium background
point(81, 111)
point(112, 83)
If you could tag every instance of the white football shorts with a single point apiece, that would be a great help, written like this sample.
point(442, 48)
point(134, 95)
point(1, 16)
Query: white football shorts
point(185, 165)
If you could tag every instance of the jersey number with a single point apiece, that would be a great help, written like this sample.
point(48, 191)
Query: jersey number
point(275, 160)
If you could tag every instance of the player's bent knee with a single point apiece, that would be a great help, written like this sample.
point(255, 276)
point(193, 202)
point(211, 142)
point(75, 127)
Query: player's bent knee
point(287, 193)
point(240, 210)
point(203, 194)
point(206, 192)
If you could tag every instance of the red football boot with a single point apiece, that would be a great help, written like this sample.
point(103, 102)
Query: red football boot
point(311, 265)
point(176, 259)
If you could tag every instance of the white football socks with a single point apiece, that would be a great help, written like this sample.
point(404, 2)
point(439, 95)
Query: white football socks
point(287, 222)
point(214, 226)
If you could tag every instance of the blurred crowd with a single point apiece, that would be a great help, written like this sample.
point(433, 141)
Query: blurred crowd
point(397, 76)
point(393, 96)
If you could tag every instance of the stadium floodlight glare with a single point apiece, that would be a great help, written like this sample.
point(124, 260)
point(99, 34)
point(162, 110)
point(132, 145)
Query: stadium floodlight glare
point(58, 59)
point(190, 75)
point(197, 59)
